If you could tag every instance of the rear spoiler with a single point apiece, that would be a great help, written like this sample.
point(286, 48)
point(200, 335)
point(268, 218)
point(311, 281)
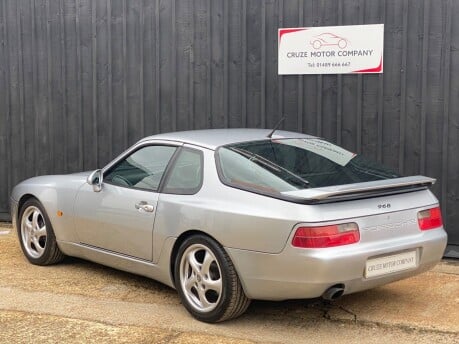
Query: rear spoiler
point(359, 190)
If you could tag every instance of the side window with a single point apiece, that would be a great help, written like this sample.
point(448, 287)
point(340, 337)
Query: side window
point(186, 175)
point(143, 169)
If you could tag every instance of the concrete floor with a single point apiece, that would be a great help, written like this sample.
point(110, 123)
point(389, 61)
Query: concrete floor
point(82, 302)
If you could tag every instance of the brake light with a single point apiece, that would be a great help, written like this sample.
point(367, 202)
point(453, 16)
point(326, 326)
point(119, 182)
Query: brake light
point(326, 236)
point(430, 219)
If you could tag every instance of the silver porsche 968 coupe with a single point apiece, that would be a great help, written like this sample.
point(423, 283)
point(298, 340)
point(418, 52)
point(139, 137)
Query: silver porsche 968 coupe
point(229, 215)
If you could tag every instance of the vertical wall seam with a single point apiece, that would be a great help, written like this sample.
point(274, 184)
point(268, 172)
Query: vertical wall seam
point(141, 77)
point(157, 69)
point(359, 113)
point(79, 68)
point(263, 67)
point(244, 65)
point(209, 65)
point(300, 78)
point(174, 65)
point(63, 81)
point(339, 86)
point(7, 92)
point(125, 68)
point(48, 91)
point(319, 105)
point(446, 96)
point(360, 90)
point(94, 81)
point(191, 106)
point(225, 64)
point(34, 86)
point(21, 85)
point(319, 85)
point(280, 80)
point(403, 77)
point(380, 112)
point(110, 76)
point(425, 47)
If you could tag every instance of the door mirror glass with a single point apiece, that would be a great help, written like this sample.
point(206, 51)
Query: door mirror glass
point(95, 179)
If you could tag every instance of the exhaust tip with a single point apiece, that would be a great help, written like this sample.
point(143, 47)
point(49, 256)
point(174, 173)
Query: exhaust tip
point(334, 292)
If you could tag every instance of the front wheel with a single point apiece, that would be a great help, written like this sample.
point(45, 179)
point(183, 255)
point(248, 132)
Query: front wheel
point(207, 282)
point(36, 235)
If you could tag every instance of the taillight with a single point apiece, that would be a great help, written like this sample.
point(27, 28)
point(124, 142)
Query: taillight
point(430, 219)
point(326, 236)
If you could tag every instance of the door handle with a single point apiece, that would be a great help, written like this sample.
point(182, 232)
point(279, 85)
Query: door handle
point(144, 207)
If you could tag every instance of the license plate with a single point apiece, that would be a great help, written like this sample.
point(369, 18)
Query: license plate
point(389, 264)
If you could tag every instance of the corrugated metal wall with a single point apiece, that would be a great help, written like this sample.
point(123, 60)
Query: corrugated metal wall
point(80, 80)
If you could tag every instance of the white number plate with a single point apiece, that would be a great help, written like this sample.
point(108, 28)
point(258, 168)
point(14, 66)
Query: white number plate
point(389, 264)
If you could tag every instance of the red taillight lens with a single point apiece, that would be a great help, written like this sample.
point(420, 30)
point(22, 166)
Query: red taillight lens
point(326, 236)
point(430, 219)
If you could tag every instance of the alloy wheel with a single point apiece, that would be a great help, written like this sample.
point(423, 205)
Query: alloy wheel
point(201, 278)
point(33, 232)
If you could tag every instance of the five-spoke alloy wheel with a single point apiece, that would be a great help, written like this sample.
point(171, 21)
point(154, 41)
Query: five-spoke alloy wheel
point(33, 232)
point(207, 281)
point(36, 235)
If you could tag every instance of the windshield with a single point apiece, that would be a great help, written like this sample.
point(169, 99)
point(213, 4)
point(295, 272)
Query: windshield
point(276, 166)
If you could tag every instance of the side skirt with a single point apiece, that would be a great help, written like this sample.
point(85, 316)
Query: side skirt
point(159, 272)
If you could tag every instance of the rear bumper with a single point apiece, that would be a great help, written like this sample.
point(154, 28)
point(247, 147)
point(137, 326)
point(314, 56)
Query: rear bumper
point(297, 273)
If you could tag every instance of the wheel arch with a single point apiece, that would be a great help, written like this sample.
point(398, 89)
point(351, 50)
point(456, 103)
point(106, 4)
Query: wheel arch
point(24, 198)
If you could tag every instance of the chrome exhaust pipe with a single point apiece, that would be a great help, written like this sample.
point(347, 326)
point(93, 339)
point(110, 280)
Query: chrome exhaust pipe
point(333, 292)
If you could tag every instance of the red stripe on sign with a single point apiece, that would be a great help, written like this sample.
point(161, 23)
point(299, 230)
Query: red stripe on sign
point(377, 69)
point(285, 31)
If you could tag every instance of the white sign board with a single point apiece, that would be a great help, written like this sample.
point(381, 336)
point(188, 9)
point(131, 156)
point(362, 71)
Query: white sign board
point(331, 49)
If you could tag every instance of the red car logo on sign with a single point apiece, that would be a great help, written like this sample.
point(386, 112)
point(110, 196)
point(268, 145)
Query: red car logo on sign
point(328, 39)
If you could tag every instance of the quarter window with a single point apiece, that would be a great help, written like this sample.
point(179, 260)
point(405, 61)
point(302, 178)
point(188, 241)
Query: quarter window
point(143, 169)
point(186, 175)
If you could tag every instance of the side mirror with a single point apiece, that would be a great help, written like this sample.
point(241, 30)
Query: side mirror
point(95, 179)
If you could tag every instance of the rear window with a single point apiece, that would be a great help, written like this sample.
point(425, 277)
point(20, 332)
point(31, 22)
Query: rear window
point(275, 166)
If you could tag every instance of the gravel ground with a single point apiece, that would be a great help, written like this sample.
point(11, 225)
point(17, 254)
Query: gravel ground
point(82, 302)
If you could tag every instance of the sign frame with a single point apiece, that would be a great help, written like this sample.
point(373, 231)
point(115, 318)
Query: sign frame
point(346, 49)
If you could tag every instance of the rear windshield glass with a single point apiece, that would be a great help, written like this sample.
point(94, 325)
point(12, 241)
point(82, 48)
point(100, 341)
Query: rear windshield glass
point(275, 166)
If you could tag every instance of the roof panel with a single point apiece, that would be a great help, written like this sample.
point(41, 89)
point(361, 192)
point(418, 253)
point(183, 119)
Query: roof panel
point(213, 138)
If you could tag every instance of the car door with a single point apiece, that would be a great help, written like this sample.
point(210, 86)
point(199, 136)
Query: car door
point(179, 206)
point(121, 216)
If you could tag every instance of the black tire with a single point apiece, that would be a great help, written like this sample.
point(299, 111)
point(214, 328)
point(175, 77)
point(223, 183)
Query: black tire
point(36, 235)
point(201, 300)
